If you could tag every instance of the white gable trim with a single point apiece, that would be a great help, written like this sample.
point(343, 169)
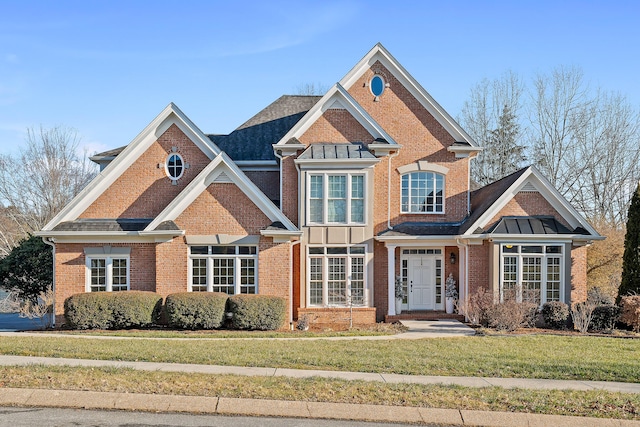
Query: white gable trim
point(336, 97)
point(532, 178)
point(221, 164)
point(169, 116)
point(379, 53)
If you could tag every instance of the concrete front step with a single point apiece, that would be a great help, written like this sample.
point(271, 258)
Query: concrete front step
point(422, 315)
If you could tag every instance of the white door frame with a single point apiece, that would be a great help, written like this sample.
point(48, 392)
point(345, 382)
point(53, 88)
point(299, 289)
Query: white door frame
point(434, 258)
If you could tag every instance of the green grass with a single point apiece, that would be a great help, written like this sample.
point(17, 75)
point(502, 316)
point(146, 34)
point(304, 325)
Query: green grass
point(559, 402)
point(555, 357)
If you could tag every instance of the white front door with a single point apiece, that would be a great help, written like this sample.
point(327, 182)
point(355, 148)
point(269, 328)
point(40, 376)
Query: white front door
point(421, 283)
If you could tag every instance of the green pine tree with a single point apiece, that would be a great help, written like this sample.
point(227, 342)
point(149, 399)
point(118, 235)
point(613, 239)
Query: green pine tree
point(630, 284)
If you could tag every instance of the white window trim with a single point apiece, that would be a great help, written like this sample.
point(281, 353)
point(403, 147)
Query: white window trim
point(166, 166)
point(325, 275)
point(109, 270)
point(543, 266)
point(325, 194)
point(237, 270)
point(444, 193)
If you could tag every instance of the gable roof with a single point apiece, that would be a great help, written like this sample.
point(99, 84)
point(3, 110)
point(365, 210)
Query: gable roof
point(336, 97)
point(379, 53)
point(169, 116)
point(224, 169)
point(253, 139)
point(489, 201)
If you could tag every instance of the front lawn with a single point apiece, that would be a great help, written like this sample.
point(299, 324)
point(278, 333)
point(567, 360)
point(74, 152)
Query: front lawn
point(555, 357)
point(594, 403)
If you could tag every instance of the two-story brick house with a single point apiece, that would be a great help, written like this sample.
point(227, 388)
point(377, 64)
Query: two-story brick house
point(326, 201)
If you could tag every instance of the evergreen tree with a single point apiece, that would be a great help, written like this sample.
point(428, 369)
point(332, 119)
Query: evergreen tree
point(631, 258)
point(28, 268)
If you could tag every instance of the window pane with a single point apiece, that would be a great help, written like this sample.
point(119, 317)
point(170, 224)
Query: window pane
point(356, 250)
point(510, 249)
point(316, 251)
point(223, 250)
point(336, 251)
point(357, 210)
point(98, 275)
point(199, 275)
point(223, 275)
point(531, 249)
point(316, 207)
point(337, 186)
point(316, 184)
point(422, 192)
point(554, 249)
point(315, 281)
point(337, 281)
point(199, 250)
point(531, 279)
point(357, 281)
point(553, 279)
point(247, 250)
point(119, 275)
point(247, 276)
point(337, 199)
point(509, 278)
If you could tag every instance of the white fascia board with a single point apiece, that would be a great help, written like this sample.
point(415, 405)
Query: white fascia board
point(417, 240)
point(336, 163)
point(281, 236)
point(336, 93)
point(564, 208)
point(170, 115)
point(221, 163)
point(379, 53)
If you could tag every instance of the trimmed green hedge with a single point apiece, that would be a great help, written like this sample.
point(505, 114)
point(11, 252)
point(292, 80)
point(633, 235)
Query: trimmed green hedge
point(112, 310)
point(196, 310)
point(257, 312)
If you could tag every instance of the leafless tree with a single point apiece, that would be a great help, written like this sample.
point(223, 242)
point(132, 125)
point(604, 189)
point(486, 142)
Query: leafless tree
point(39, 181)
point(491, 116)
point(311, 89)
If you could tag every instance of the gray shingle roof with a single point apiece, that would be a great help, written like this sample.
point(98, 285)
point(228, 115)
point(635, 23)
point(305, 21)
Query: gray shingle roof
point(336, 151)
point(125, 224)
point(253, 139)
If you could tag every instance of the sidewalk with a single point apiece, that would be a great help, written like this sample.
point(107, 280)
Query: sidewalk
point(276, 408)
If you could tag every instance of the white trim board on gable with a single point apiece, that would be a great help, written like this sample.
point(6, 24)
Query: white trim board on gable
point(221, 169)
point(163, 121)
point(379, 53)
point(337, 98)
point(533, 178)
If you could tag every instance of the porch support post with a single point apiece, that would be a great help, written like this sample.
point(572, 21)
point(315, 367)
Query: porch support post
point(463, 274)
point(391, 278)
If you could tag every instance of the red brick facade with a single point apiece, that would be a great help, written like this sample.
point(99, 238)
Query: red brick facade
point(425, 139)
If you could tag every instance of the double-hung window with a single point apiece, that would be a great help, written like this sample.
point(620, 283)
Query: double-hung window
point(531, 273)
point(422, 192)
point(336, 198)
point(107, 273)
point(229, 269)
point(336, 276)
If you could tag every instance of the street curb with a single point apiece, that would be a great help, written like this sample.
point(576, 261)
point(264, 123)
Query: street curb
point(292, 409)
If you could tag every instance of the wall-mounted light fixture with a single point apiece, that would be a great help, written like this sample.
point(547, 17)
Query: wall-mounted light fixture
point(453, 258)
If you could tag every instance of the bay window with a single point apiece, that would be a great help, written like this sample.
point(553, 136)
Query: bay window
point(531, 273)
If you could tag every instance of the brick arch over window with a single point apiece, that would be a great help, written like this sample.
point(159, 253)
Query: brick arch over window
point(422, 186)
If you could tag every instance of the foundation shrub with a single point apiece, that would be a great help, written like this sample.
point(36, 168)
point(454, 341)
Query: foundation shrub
point(112, 310)
point(196, 310)
point(555, 314)
point(475, 307)
point(134, 309)
point(605, 317)
point(90, 310)
point(511, 315)
point(631, 311)
point(257, 312)
point(581, 315)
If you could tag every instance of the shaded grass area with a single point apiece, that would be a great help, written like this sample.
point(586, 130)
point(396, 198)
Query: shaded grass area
point(559, 402)
point(554, 357)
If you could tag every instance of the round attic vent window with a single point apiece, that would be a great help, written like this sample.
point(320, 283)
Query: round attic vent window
point(377, 85)
point(175, 166)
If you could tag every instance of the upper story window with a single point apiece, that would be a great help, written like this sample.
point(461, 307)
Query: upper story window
point(422, 192)
point(174, 166)
point(377, 85)
point(336, 198)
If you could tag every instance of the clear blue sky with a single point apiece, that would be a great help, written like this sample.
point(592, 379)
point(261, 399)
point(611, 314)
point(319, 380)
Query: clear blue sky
point(107, 68)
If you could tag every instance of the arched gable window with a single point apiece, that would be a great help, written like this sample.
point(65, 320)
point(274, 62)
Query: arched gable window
point(422, 192)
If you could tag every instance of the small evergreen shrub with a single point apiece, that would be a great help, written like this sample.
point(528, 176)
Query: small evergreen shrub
point(112, 310)
point(257, 312)
point(196, 310)
point(135, 309)
point(88, 311)
point(631, 311)
point(605, 317)
point(555, 314)
point(511, 315)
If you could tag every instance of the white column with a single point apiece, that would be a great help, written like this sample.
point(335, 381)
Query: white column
point(463, 273)
point(391, 278)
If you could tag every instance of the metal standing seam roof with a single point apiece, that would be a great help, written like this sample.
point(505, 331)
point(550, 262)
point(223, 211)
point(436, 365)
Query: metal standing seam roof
point(336, 151)
point(530, 225)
